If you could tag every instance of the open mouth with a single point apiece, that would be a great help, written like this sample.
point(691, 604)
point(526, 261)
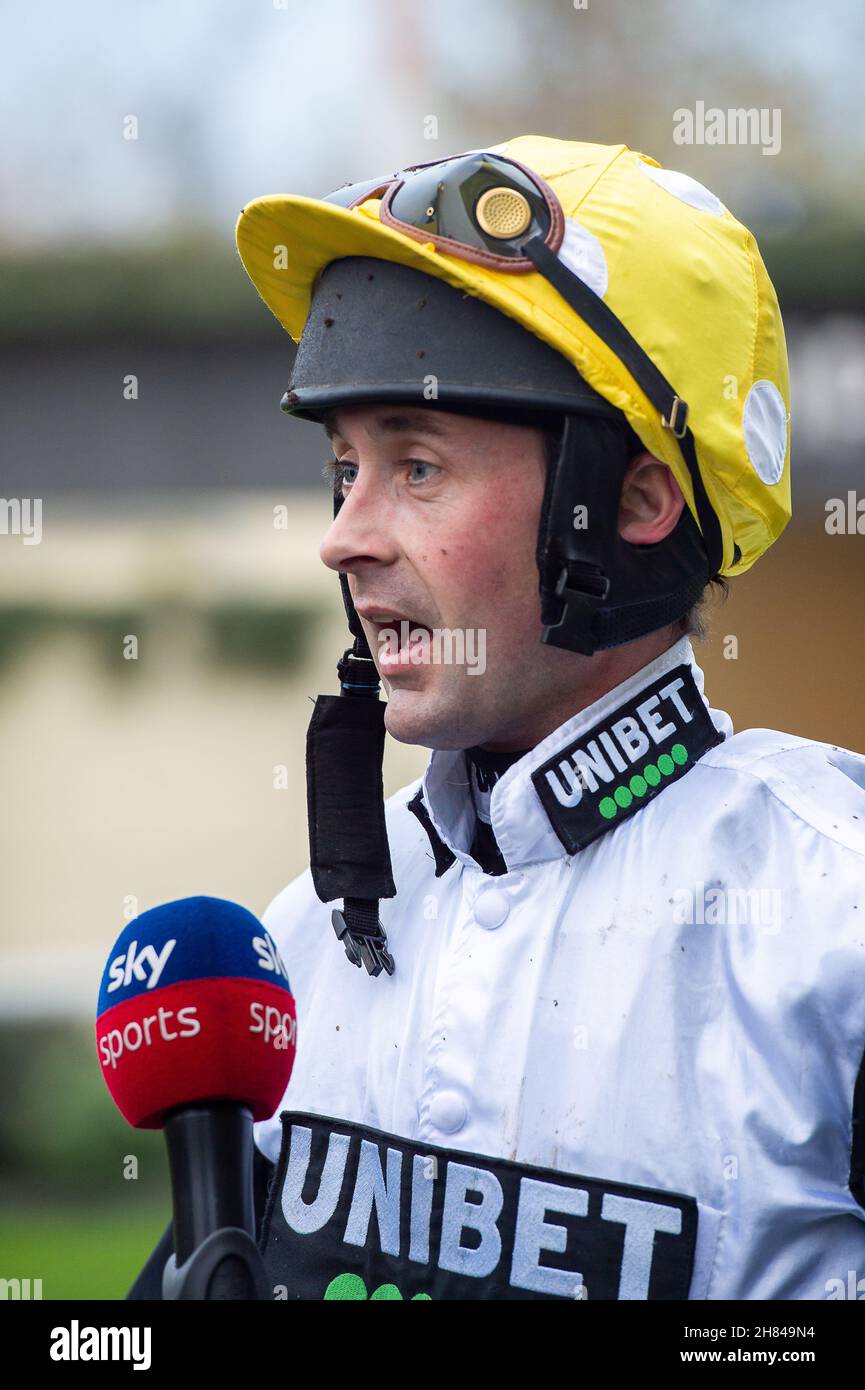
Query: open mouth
point(400, 641)
point(402, 628)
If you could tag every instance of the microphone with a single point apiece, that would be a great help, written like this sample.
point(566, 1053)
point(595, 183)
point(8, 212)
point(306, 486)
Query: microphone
point(196, 1034)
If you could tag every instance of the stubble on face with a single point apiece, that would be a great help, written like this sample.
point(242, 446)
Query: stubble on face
point(458, 554)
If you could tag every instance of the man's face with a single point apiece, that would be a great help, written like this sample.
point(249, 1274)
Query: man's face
point(439, 526)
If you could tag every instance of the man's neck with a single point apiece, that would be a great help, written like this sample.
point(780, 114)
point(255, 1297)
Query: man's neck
point(597, 675)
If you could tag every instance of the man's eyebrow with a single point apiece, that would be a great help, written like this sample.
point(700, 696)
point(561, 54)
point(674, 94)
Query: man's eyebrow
point(407, 422)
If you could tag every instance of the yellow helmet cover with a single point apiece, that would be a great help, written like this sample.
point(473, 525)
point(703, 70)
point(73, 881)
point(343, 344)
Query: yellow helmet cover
point(682, 275)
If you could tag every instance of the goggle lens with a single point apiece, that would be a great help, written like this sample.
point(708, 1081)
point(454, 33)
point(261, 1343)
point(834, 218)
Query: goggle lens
point(480, 201)
point(476, 203)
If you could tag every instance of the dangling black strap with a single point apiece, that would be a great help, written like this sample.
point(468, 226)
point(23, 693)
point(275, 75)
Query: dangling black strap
point(349, 855)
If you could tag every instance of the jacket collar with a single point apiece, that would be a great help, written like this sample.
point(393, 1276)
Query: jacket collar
point(587, 776)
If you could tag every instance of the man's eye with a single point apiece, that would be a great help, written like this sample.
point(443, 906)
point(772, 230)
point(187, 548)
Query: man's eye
point(421, 463)
point(341, 475)
point(335, 473)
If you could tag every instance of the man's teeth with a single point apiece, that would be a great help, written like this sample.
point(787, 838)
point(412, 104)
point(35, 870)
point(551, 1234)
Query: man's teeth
point(382, 618)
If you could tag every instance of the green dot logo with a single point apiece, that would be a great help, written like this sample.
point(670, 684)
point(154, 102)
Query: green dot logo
point(351, 1287)
point(346, 1286)
point(651, 776)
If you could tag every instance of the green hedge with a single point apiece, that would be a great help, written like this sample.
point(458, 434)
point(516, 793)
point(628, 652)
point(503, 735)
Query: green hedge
point(61, 1135)
point(239, 635)
point(196, 289)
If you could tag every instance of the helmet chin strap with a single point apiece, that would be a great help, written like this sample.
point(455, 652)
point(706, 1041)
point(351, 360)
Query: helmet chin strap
point(592, 583)
point(591, 590)
point(349, 855)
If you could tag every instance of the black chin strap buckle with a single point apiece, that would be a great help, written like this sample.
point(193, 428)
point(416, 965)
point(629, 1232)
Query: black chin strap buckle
point(358, 674)
point(365, 941)
point(583, 589)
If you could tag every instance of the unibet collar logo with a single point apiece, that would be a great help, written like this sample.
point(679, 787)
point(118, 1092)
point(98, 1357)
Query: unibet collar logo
point(145, 965)
point(621, 764)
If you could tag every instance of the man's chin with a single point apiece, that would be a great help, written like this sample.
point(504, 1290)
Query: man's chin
point(416, 716)
point(408, 714)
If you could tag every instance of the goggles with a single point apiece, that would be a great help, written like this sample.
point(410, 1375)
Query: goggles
point(480, 207)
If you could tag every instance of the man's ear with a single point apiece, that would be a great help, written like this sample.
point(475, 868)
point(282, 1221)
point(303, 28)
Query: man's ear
point(651, 501)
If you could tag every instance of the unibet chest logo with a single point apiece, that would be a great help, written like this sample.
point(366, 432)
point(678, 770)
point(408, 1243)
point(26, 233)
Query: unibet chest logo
point(624, 762)
point(355, 1213)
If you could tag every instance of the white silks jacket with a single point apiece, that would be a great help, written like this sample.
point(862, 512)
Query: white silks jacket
point(632, 1066)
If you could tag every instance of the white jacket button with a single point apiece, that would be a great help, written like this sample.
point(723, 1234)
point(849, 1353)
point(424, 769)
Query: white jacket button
point(491, 908)
point(448, 1112)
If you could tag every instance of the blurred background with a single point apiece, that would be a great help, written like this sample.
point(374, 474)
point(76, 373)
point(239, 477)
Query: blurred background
point(140, 379)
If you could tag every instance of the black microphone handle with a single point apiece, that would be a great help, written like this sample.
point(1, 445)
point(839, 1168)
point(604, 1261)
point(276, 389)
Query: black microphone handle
point(210, 1152)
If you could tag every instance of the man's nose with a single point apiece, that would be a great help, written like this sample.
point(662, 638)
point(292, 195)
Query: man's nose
point(360, 534)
